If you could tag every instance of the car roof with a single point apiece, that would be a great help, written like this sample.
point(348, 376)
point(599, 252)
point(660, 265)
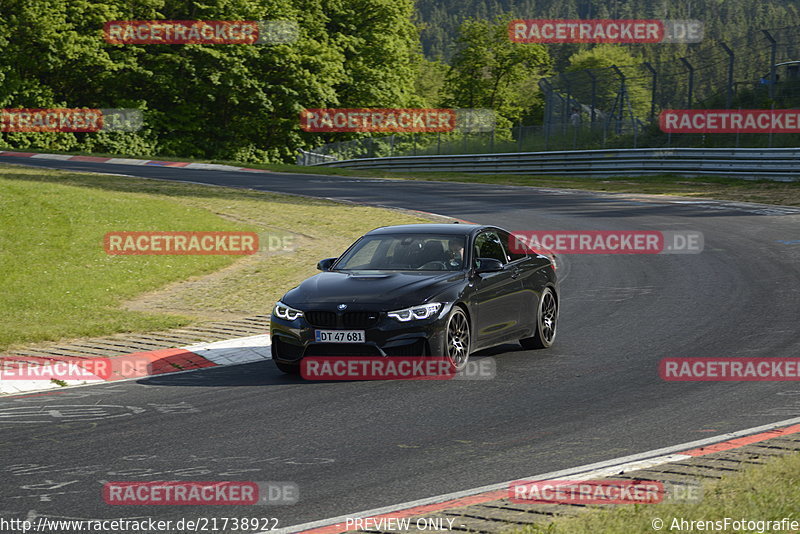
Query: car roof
point(446, 229)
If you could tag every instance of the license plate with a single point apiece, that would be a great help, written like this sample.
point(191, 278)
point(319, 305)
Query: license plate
point(339, 336)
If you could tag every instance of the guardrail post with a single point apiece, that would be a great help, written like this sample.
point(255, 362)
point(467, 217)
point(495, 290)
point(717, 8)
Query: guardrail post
point(690, 68)
point(653, 88)
point(773, 51)
point(731, 61)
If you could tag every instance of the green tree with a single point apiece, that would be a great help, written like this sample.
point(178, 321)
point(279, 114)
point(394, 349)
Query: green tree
point(429, 82)
point(599, 62)
point(228, 101)
point(488, 69)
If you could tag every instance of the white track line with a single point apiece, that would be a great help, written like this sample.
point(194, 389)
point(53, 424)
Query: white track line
point(600, 469)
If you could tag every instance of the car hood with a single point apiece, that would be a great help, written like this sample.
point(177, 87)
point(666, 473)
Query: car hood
point(378, 291)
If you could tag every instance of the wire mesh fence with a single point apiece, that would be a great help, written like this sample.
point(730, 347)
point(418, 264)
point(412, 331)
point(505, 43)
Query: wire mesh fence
point(618, 107)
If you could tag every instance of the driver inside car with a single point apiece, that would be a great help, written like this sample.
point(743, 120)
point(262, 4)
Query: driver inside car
point(456, 252)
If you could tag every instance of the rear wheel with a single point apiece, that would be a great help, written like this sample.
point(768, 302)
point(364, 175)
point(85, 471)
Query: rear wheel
point(546, 323)
point(457, 338)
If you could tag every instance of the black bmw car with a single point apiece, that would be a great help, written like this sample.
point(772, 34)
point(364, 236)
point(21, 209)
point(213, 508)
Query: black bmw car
point(419, 290)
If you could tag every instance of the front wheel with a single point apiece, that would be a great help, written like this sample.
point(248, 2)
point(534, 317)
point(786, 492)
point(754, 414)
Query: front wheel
point(288, 368)
point(546, 323)
point(457, 338)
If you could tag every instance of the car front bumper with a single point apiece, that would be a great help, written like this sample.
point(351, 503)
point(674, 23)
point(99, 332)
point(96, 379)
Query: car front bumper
point(294, 340)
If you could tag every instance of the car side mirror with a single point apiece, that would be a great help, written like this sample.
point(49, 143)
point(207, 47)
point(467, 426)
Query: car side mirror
point(325, 265)
point(488, 265)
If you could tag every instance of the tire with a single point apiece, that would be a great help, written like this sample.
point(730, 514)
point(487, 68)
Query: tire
point(546, 323)
point(457, 338)
point(288, 368)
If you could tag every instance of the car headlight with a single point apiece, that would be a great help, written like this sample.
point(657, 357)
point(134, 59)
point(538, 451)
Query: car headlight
point(286, 312)
point(416, 312)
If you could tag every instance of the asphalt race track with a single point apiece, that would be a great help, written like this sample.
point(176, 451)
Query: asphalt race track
point(595, 395)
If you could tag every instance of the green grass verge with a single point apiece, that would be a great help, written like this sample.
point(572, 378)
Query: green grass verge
point(59, 283)
point(762, 191)
point(769, 493)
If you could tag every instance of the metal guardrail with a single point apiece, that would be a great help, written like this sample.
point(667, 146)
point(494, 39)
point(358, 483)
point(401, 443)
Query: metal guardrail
point(312, 158)
point(748, 163)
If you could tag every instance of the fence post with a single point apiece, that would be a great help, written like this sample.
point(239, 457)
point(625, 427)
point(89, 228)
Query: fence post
point(654, 72)
point(737, 130)
point(621, 97)
point(594, 95)
point(548, 109)
point(567, 115)
point(731, 61)
point(771, 129)
point(774, 48)
point(690, 68)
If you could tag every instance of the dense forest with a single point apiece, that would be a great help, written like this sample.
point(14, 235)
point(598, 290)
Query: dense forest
point(724, 19)
point(242, 102)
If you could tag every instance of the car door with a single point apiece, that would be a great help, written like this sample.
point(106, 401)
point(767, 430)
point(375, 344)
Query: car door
point(496, 296)
point(529, 269)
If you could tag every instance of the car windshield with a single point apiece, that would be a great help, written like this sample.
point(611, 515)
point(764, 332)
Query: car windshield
point(405, 252)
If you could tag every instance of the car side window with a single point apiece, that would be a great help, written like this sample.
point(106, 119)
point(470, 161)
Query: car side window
point(513, 250)
point(488, 245)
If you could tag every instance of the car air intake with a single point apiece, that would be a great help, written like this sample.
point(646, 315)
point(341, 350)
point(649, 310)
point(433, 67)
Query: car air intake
point(359, 319)
point(341, 349)
point(321, 319)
